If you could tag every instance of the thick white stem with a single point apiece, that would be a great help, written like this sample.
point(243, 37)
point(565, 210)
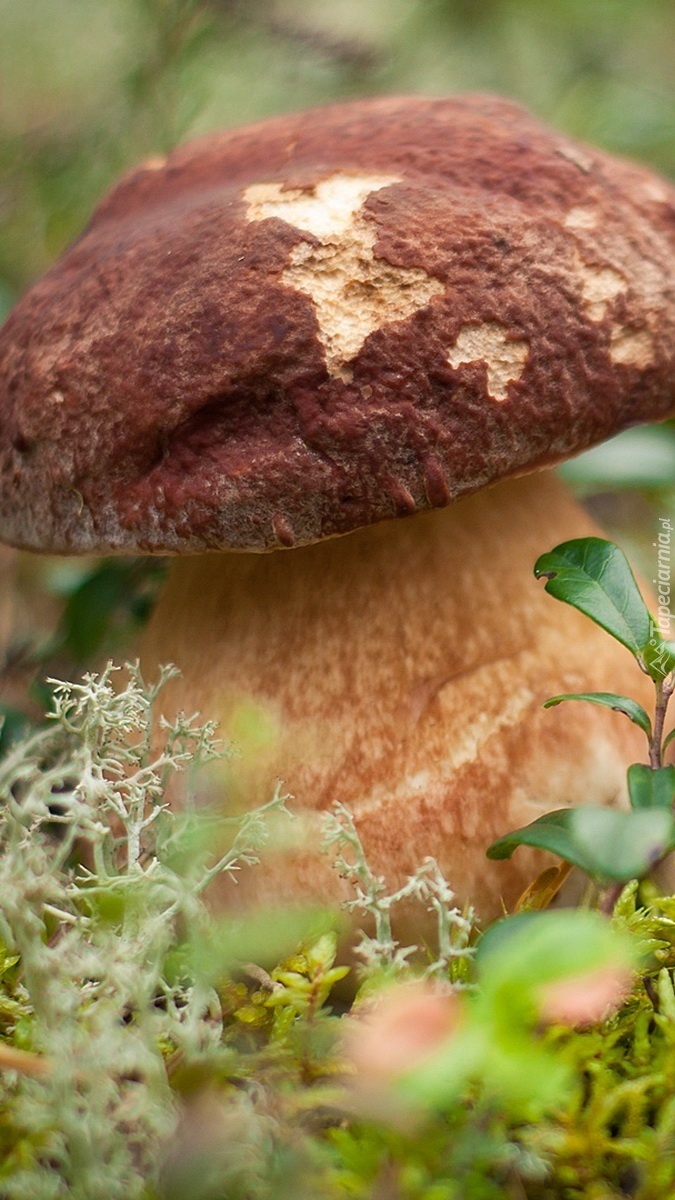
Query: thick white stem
point(402, 670)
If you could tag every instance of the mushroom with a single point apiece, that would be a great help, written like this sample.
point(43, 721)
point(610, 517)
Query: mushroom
point(317, 326)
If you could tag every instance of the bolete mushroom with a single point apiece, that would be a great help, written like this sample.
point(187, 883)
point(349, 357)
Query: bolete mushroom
point(317, 326)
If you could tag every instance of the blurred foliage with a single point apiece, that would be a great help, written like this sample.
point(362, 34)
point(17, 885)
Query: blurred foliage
point(75, 611)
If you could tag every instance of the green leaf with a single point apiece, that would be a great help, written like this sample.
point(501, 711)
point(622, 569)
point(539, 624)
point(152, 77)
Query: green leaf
point(593, 576)
point(607, 844)
point(649, 788)
point(669, 738)
point(634, 711)
point(550, 832)
point(623, 845)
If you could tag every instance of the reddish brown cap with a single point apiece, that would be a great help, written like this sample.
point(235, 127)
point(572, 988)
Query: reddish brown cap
point(324, 320)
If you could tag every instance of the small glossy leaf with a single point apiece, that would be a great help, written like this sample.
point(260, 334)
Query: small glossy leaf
point(649, 788)
point(669, 739)
point(634, 711)
point(605, 843)
point(593, 576)
point(551, 832)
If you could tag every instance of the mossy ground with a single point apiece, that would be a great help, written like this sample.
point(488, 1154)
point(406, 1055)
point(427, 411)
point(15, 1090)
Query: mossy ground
point(164, 1054)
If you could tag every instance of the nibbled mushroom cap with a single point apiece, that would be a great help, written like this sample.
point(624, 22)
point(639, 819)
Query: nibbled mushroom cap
point(284, 332)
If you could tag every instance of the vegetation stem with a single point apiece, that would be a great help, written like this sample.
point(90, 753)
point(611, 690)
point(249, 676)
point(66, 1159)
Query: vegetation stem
point(664, 690)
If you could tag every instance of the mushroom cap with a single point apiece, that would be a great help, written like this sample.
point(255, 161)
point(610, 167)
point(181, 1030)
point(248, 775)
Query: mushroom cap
point(287, 331)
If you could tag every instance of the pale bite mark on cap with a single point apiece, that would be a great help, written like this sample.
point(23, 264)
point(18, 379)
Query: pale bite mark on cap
point(655, 191)
point(632, 347)
point(353, 292)
point(504, 357)
point(581, 218)
point(600, 286)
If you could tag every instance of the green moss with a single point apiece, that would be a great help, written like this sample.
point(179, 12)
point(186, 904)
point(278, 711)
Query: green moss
point(177, 1068)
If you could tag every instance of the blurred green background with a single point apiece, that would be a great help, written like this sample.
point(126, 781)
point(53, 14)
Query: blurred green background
point(89, 87)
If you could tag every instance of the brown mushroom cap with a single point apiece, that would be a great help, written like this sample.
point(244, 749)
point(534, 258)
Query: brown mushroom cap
point(325, 320)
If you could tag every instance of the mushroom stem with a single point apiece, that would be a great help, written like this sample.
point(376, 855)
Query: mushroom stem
point(402, 670)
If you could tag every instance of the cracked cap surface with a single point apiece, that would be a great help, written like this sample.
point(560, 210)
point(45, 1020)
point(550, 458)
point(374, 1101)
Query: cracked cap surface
point(287, 331)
